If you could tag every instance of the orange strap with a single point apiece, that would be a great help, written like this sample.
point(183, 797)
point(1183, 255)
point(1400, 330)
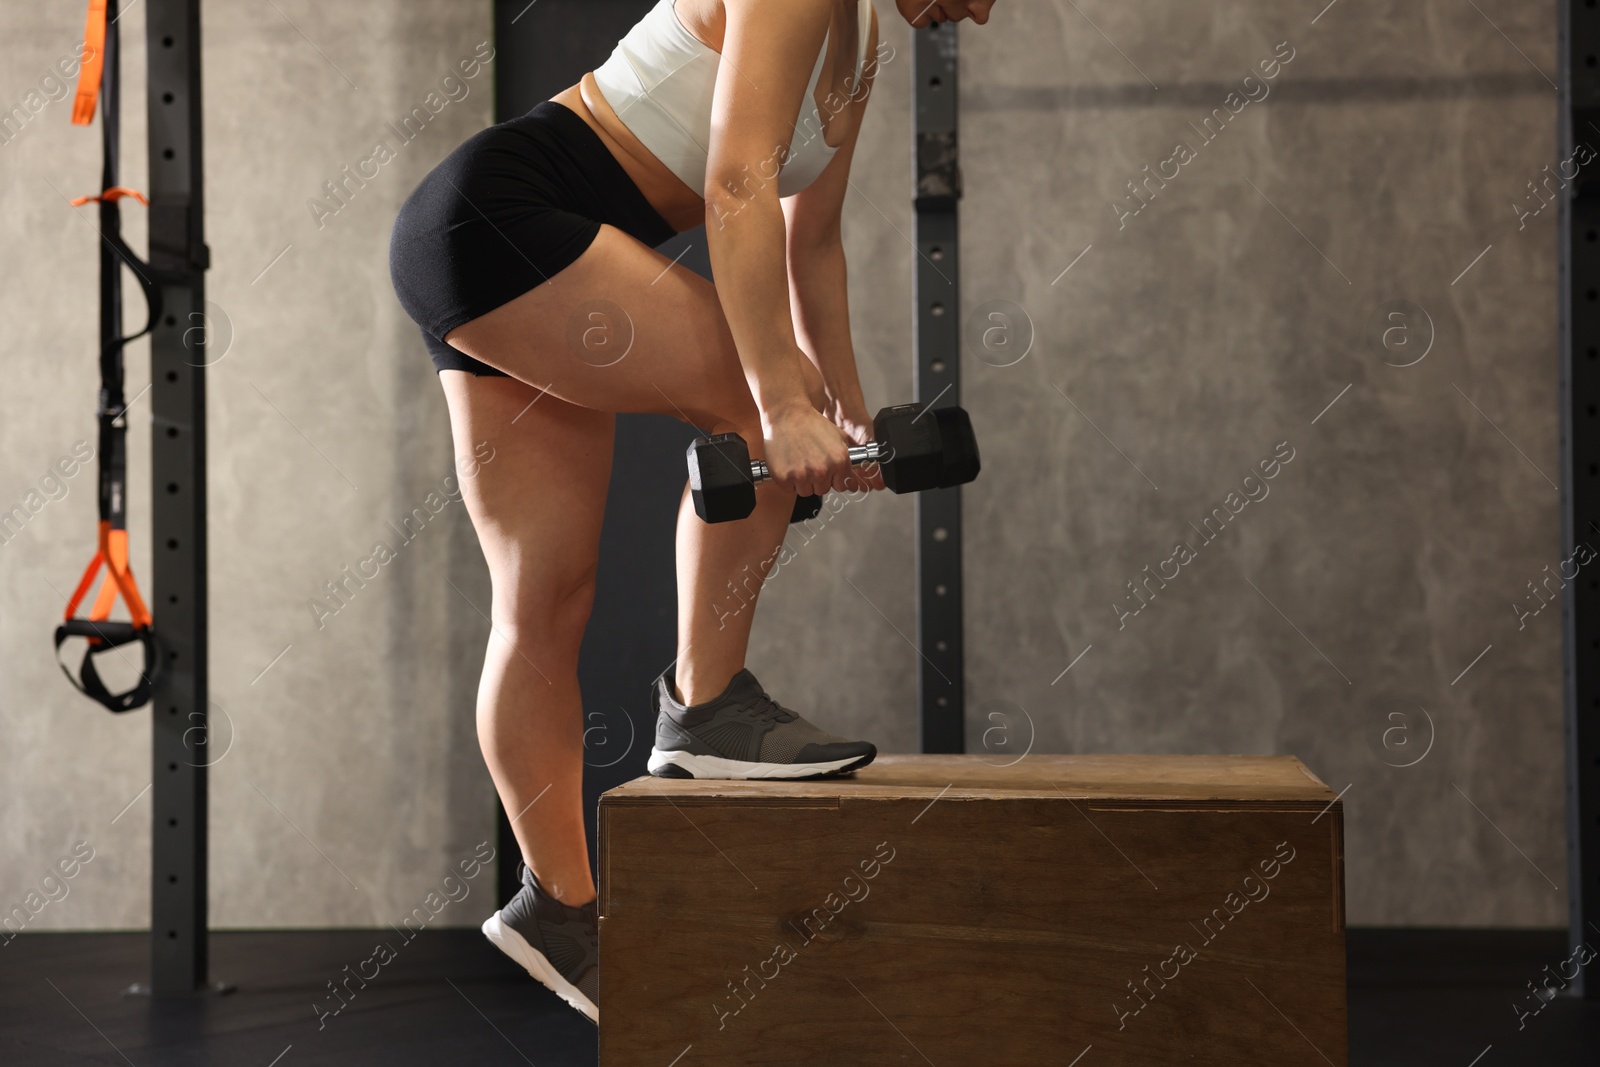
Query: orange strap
point(116, 192)
point(113, 554)
point(94, 51)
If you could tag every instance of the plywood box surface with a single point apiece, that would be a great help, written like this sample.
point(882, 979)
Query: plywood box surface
point(953, 910)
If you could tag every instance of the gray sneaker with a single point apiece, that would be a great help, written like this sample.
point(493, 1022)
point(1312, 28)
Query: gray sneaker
point(744, 733)
point(557, 944)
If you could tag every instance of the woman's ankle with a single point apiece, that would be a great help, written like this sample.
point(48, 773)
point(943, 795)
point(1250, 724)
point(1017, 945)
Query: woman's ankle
point(701, 685)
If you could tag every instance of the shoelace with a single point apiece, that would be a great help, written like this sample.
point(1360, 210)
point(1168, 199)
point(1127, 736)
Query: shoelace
point(764, 707)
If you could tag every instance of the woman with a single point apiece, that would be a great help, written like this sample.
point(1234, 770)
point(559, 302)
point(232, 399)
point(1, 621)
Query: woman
point(527, 259)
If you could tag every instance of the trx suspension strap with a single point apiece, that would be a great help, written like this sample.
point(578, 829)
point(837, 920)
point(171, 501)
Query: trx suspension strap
point(100, 77)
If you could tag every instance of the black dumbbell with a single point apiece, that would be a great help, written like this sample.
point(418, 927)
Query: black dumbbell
point(959, 446)
point(913, 453)
point(805, 507)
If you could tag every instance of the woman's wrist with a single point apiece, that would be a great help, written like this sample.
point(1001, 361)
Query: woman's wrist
point(779, 384)
point(846, 395)
point(779, 405)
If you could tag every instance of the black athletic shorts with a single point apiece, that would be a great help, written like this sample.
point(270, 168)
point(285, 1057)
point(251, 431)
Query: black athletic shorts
point(510, 208)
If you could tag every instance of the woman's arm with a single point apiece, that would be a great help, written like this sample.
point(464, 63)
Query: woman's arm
point(769, 48)
point(818, 290)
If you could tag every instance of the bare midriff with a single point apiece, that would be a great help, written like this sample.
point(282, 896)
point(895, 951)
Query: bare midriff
point(685, 208)
point(681, 206)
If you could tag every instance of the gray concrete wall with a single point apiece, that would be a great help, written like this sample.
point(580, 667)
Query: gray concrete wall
point(1333, 616)
point(347, 781)
point(1243, 307)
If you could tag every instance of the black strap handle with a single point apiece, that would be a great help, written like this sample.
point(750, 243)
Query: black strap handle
point(103, 636)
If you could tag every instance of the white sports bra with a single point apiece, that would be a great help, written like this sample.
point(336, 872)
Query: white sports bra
point(659, 81)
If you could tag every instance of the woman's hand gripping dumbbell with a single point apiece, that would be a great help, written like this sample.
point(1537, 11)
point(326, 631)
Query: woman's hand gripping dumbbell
point(915, 449)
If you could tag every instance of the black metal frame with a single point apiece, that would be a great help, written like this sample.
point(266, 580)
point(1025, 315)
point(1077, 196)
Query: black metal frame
point(1579, 118)
point(941, 681)
point(179, 706)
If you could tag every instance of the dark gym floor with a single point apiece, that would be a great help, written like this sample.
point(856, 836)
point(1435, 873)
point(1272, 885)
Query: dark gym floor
point(1417, 998)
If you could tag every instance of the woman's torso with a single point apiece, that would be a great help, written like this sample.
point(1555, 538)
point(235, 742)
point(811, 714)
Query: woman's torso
point(836, 78)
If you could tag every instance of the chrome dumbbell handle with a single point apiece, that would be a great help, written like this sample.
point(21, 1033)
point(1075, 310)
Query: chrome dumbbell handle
point(873, 452)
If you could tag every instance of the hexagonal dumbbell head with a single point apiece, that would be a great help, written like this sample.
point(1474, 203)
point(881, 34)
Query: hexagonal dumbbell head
point(719, 478)
point(915, 459)
point(959, 446)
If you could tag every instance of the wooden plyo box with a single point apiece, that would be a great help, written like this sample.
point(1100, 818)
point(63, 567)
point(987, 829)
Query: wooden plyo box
point(949, 910)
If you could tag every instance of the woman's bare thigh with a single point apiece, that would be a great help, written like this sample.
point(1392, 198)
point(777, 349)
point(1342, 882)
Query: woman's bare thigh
point(621, 329)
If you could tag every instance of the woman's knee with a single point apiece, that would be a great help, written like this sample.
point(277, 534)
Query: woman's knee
point(549, 615)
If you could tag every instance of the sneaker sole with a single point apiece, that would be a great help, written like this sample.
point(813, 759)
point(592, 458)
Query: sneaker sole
point(533, 961)
point(689, 765)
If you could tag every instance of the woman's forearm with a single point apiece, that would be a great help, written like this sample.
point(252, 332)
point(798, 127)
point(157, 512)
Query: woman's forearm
point(746, 239)
point(819, 299)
